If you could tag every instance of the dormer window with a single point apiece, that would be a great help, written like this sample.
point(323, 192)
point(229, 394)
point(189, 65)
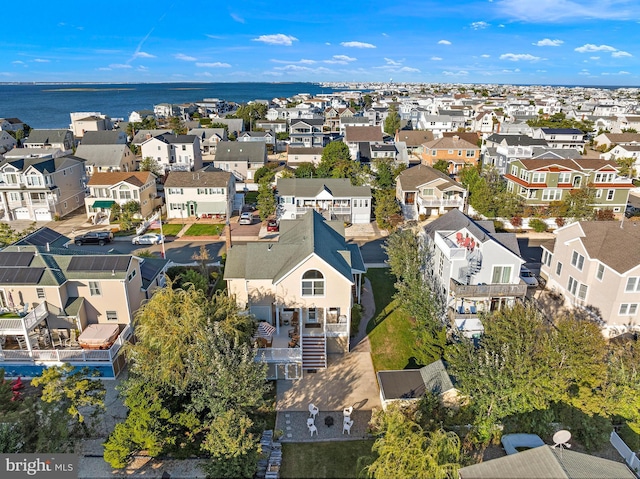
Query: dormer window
point(313, 283)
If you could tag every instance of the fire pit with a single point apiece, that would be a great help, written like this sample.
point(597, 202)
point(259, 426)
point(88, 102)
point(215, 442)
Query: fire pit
point(328, 421)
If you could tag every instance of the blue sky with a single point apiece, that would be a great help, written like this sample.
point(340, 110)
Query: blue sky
point(491, 41)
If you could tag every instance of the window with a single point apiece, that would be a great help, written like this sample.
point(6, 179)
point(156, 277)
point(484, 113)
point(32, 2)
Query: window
point(577, 260)
point(572, 285)
point(603, 178)
point(551, 194)
point(112, 315)
point(558, 268)
point(313, 283)
point(40, 293)
point(427, 192)
point(538, 177)
point(599, 193)
point(312, 315)
point(433, 152)
point(501, 274)
point(600, 272)
point(546, 257)
point(94, 288)
point(459, 152)
point(582, 292)
point(628, 309)
point(564, 177)
point(471, 153)
point(131, 275)
point(514, 170)
point(610, 194)
point(633, 284)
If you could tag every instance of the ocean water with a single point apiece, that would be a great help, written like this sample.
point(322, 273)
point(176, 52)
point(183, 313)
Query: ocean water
point(49, 105)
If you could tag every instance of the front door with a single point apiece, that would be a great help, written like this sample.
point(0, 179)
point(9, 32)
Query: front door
point(192, 209)
point(410, 198)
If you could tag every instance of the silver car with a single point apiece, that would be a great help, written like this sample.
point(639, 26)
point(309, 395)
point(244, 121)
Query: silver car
point(149, 238)
point(528, 277)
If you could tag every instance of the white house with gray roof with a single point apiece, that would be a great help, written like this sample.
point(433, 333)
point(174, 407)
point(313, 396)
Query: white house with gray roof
point(201, 194)
point(303, 288)
point(62, 140)
point(242, 159)
point(334, 198)
point(107, 158)
point(174, 152)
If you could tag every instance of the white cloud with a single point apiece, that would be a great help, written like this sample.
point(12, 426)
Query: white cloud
point(274, 74)
point(142, 68)
point(515, 57)
point(547, 42)
point(444, 42)
point(303, 61)
point(620, 54)
point(143, 55)
point(120, 65)
point(384, 34)
point(584, 72)
point(459, 73)
point(479, 25)
point(393, 62)
point(41, 60)
point(594, 58)
point(213, 65)
point(622, 72)
point(237, 17)
point(344, 58)
point(485, 56)
point(213, 37)
point(186, 58)
point(18, 62)
point(436, 59)
point(544, 11)
point(277, 39)
point(409, 70)
point(590, 47)
point(357, 45)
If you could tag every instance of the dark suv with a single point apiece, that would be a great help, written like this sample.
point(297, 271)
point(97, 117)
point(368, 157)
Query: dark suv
point(94, 237)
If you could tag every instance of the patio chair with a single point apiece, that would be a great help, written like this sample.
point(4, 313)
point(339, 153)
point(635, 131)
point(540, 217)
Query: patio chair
point(310, 422)
point(346, 412)
point(73, 340)
point(313, 429)
point(346, 426)
point(313, 410)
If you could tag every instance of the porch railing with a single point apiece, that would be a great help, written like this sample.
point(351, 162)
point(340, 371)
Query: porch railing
point(277, 355)
point(336, 328)
point(488, 290)
point(18, 325)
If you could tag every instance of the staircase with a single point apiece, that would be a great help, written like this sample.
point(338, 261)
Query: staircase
point(314, 352)
point(409, 212)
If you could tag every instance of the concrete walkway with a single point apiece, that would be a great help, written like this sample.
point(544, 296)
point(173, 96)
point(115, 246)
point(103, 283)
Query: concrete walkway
point(360, 342)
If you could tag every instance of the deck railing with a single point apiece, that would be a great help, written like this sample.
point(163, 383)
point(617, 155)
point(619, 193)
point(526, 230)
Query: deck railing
point(276, 355)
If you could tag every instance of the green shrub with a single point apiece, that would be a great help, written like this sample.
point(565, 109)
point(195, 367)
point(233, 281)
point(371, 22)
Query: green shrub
point(537, 225)
point(356, 316)
point(498, 226)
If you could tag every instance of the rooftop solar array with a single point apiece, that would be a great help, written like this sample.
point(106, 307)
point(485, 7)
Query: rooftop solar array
point(40, 237)
point(99, 263)
point(14, 258)
point(20, 275)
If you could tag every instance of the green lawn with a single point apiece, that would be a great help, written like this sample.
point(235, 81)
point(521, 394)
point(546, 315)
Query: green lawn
point(204, 230)
point(389, 330)
point(167, 230)
point(323, 459)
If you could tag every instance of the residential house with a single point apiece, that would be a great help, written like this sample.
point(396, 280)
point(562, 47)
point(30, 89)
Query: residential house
point(630, 122)
point(335, 198)
point(625, 151)
point(561, 137)
point(333, 115)
point(11, 124)
point(82, 122)
point(456, 151)
point(200, 194)
point(235, 126)
point(242, 159)
point(69, 307)
point(303, 288)
point(41, 189)
point(276, 126)
point(174, 152)
point(143, 135)
point(485, 122)
point(423, 190)
point(209, 139)
point(307, 133)
point(110, 137)
point(104, 158)
point(547, 462)
point(62, 140)
point(165, 110)
point(106, 189)
point(139, 115)
point(500, 150)
point(7, 142)
point(20, 153)
point(410, 385)
point(437, 124)
point(354, 135)
point(295, 155)
point(540, 182)
point(368, 153)
point(476, 268)
point(596, 265)
point(267, 137)
point(609, 140)
point(376, 115)
point(347, 121)
point(414, 139)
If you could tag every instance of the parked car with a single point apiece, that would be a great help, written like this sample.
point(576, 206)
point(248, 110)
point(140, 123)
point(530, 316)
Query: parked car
point(94, 237)
point(246, 219)
point(149, 238)
point(272, 225)
point(528, 277)
point(632, 211)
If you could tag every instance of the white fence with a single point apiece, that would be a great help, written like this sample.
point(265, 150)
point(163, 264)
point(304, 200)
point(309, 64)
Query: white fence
point(629, 456)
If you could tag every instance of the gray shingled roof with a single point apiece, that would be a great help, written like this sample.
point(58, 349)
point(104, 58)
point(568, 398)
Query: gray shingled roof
point(420, 174)
point(601, 235)
point(187, 179)
point(311, 187)
point(252, 151)
point(299, 239)
point(111, 137)
point(46, 136)
point(413, 383)
point(102, 155)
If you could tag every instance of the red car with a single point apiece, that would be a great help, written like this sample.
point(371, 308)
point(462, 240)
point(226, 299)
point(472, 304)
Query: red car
point(272, 225)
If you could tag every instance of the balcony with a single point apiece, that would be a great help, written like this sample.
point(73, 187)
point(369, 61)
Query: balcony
point(25, 324)
point(444, 202)
point(488, 290)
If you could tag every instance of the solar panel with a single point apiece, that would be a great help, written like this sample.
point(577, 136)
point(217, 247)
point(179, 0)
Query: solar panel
point(20, 275)
point(41, 237)
point(15, 258)
point(99, 263)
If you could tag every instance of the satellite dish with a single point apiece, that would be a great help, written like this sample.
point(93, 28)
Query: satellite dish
point(561, 438)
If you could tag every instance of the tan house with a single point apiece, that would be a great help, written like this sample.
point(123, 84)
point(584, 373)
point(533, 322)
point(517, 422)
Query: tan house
point(106, 158)
point(596, 265)
point(303, 288)
point(62, 140)
point(120, 187)
point(423, 190)
point(452, 149)
point(201, 194)
point(64, 307)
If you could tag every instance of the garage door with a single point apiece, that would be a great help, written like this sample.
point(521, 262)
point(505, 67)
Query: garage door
point(261, 312)
point(43, 215)
point(22, 214)
point(361, 218)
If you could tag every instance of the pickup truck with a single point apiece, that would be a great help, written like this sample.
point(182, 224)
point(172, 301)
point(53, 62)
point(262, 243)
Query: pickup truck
point(94, 237)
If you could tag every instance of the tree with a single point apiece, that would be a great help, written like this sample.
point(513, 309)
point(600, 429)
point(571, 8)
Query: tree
point(250, 112)
point(150, 164)
point(265, 173)
point(126, 213)
point(368, 101)
point(332, 154)
point(387, 210)
point(392, 121)
point(305, 170)
point(177, 125)
point(627, 167)
point(73, 391)
point(9, 235)
point(442, 165)
point(405, 450)
point(579, 203)
point(266, 200)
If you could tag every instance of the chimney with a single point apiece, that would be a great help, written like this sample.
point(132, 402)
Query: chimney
point(227, 236)
point(455, 137)
point(48, 247)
